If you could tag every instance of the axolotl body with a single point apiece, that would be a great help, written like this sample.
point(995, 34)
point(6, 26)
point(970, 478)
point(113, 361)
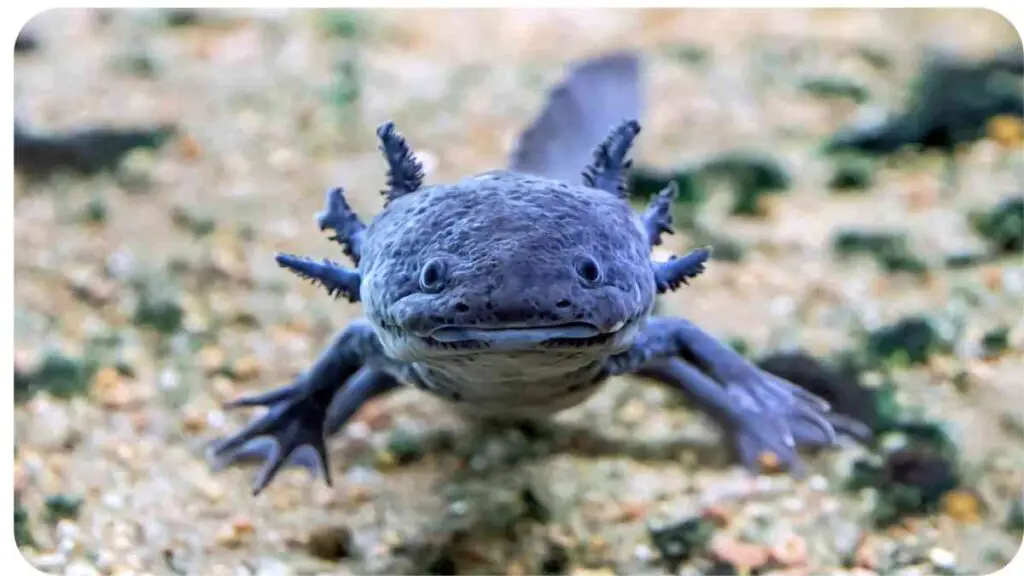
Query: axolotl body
point(515, 296)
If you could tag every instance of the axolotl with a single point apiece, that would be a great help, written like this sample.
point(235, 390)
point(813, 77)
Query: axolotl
point(514, 296)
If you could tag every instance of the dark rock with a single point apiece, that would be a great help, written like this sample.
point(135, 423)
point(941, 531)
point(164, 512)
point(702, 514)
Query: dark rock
point(967, 259)
point(913, 339)
point(22, 529)
point(752, 175)
point(1015, 516)
point(950, 105)
point(87, 151)
point(840, 387)
point(556, 560)
point(852, 173)
point(996, 341)
point(405, 446)
point(330, 543)
point(891, 250)
point(182, 17)
point(61, 506)
point(682, 541)
point(161, 312)
point(1002, 226)
point(910, 482)
point(835, 87)
point(189, 219)
point(58, 374)
point(443, 565)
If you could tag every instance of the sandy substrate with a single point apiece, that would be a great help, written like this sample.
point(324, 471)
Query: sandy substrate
point(266, 129)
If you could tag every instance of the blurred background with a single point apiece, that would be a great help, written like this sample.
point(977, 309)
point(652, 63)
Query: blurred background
point(858, 172)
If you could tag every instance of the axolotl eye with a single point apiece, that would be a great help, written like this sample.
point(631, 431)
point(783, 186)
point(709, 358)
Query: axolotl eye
point(433, 275)
point(588, 270)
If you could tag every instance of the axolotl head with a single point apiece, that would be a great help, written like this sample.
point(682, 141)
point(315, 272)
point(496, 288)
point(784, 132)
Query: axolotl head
point(481, 277)
point(506, 262)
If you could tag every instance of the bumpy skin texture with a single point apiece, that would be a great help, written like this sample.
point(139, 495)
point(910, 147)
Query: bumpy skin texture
point(515, 296)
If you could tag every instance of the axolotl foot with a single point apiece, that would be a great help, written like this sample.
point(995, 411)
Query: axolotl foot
point(765, 414)
point(300, 416)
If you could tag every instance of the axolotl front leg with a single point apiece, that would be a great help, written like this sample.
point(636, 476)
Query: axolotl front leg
point(349, 372)
point(352, 370)
point(765, 414)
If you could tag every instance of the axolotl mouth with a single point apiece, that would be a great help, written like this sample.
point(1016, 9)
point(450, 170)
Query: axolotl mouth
point(567, 335)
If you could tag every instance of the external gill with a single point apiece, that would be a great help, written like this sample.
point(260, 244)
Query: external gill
point(337, 279)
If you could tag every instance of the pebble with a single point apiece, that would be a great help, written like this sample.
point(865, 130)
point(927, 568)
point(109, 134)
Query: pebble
point(358, 430)
point(234, 534)
point(50, 426)
point(211, 358)
point(79, 568)
point(643, 553)
point(793, 504)
point(67, 530)
point(961, 505)
point(272, 567)
point(791, 552)
point(330, 542)
point(52, 562)
point(742, 555)
point(866, 555)
point(942, 559)
point(113, 391)
point(247, 368)
point(192, 420)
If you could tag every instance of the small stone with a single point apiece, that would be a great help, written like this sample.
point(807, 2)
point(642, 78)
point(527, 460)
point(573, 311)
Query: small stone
point(242, 525)
point(818, 483)
point(866, 553)
point(50, 563)
point(246, 368)
point(631, 511)
point(679, 541)
point(744, 556)
point(385, 460)
point(791, 552)
point(211, 358)
point(234, 534)
point(192, 420)
point(61, 506)
point(643, 553)
point(717, 514)
point(330, 543)
point(1007, 130)
point(79, 568)
point(113, 391)
point(374, 415)
point(769, 463)
point(1015, 517)
point(50, 426)
point(632, 412)
point(61, 375)
point(961, 505)
point(556, 560)
point(91, 289)
point(272, 567)
point(942, 559)
point(405, 446)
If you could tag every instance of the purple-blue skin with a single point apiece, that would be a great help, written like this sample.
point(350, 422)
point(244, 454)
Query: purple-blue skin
point(515, 296)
